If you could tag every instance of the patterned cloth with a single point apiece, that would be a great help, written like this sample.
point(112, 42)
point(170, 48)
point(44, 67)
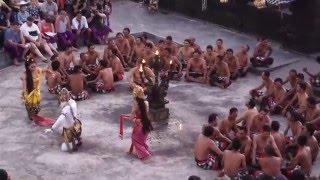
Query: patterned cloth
point(81, 96)
point(278, 2)
point(100, 88)
point(209, 164)
point(55, 90)
point(315, 81)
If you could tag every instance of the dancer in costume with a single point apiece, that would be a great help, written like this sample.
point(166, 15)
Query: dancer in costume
point(67, 123)
point(142, 125)
point(31, 94)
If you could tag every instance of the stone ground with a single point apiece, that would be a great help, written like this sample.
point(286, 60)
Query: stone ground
point(29, 154)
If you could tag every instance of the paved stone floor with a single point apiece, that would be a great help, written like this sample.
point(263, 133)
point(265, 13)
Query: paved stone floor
point(29, 154)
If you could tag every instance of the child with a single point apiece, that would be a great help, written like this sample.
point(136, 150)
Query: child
point(23, 14)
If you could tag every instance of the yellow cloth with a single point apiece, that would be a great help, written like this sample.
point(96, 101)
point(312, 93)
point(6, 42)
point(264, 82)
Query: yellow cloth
point(34, 96)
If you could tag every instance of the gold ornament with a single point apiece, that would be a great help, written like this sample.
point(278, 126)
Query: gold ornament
point(138, 92)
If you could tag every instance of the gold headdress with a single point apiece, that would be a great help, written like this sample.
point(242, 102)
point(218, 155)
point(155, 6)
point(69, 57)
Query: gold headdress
point(64, 95)
point(138, 92)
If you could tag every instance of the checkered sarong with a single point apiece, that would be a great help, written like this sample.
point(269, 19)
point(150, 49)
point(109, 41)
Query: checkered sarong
point(81, 96)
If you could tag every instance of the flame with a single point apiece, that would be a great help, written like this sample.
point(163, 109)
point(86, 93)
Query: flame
point(223, 1)
point(170, 62)
point(157, 52)
point(141, 69)
point(143, 61)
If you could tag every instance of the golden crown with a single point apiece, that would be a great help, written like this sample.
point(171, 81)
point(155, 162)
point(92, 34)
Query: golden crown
point(138, 92)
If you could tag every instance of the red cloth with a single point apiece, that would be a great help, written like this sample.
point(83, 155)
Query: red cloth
point(122, 116)
point(42, 121)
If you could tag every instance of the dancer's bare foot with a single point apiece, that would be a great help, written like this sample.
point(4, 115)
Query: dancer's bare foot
point(146, 159)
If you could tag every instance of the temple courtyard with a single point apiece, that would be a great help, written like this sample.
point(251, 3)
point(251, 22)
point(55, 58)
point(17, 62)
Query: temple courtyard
point(27, 153)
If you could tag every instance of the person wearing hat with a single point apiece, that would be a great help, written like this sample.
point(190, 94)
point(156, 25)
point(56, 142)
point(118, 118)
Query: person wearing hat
point(65, 123)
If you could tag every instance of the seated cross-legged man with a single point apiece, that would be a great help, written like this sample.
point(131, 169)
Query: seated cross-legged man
point(313, 112)
point(268, 83)
point(77, 83)
point(140, 76)
point(209, 56)
point(219, 49)
point(204, 148)
point(219, 74)
point(300, 97)
point(54, 82)
point(228, 125)
point(105, 74)
point(171, 65)
point(116, 65)
point(244, 60)
point(309, 131)
point(233, 64)
point(278, 136)
point(278, 99)
point(248, 113)
point(185, 53)
point(246, 143)
point(255, 123)
point(260, 58)
point(196, 69)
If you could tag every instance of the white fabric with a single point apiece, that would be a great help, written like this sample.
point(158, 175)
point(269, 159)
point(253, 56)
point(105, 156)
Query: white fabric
point(65, 120)
point(278, 2)
point(31, 32)
point(64, 147)
point(75, 23)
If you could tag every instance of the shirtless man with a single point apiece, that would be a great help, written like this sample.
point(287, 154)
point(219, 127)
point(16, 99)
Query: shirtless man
point(246, 143)
point(219, 49)
point(278, 136)
point(309, 89)
point(268, 83)
point(277, 101)
point(112, 45)
point(210, 56)
point(148, 54)
point(255, 124)
point(313, 112)
point(303, 157)
point(160, 47)
point(93, 56)
point(196, 69)
point(219, 74)
point(228, 125)
point(315, 78)
point(193, 44)
point(137, 51)
point(105, 74)
point(249, 113)
point(291, 79)
point(115, 63)
point(244, 60)
point(124, 46)
point(54, 81)
point(294, 124)
point(129, 37)
point(175, 67)
point(136, 77)
point(185, 53)
point(233, 161)
point(77, 84)
point(172, 45)
point(260, 56)
point(66, 58)
point(203, 148)
point(301, 97)
point(271, 164)
point(309, 130)
point(233, 64)
point(260, 142)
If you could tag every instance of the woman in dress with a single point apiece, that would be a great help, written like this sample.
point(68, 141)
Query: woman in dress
point(142, 125)
point(46, 27)
point(31, 94)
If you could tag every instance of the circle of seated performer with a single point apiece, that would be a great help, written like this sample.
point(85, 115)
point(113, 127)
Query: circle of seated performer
point(233, 64)
point(219, 74)
point(315, 78)
point(203, 149)
point(172, 67)
point(260, 58)
point(77, 82)
point(244, 60)
point(104, 81)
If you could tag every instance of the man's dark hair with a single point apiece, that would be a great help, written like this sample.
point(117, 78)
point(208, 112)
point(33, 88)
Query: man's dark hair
point(15, 23)
point(229, 50)
point(312, 100)
point(243, 128)
point(188, 40)
point(126, 29)
point(252, 103)
point(90, 45)
point(275, 125)
point(303, 85)
point(77, 68)
point(169, 38)
point(295, 116)
point(119, 33)
point(208, 131)
point(3, 174)
point(114, 51)
point(103, 63)
point(168, 49)
point(149, 45)
point(235, 144)
point(161, 41)
point(300, 76)
point(30, 18)
point(55, 65)
point(212, 117)
point(302, 140)
point(310, 128)
point(220, 40)
point(266, 128)
point(220, 57)
point(266, 73)
point(53, 57)
point(67, 46)
point(196, 51)
point(248, 47)
point(193, 177)
point(269, 150)
point(293, 71)
point(232, 110)
point(279, 80)
point(264, 109)
point(210, 47)
point(82, 54)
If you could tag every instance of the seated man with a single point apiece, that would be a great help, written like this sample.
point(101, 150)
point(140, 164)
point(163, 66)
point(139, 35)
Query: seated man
point(249, 113)
point(66, 58)
point(303, 157)
point(292, 78)
point(54, 81)
point(77, 84)
point(193, 44)
point(140, 76)
point(124, 47)
point(115, 63)
point(196, 69)
point(233, 64)
point(315, 78)
point(112, 45)
point(219, 49)
point(80, 28)
point(105, 74)
point(270, 165)
point(210, 56)
point(260, 58)
point(309, 130)
point(93, 56)
point(148, 55)
point(233, 161)
point(160, 47)
point(246, 143)
point(153, 6)
point(4, 175)
point(268, 83)
point(277, 101)
point(278, 136)
point(172, 67)
point(244, 60)
point(228, 125)
point(203, 148)
point(185, 53)
point(255, 124)
point(301, 98)
point(313, 112)
point(309, 89)
point(138, 50)
point(294, 124)
point(63, 29)
point(126, 34)
point(222, 141)
point(219, 74)
point(260, 142)
point(169, 43)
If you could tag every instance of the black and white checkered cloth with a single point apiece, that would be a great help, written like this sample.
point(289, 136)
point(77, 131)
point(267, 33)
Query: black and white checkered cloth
point(278, 2)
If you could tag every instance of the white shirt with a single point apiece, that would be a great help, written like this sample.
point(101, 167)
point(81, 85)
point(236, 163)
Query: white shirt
point(65, 120)
point(32, 32)
point(83, 21)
